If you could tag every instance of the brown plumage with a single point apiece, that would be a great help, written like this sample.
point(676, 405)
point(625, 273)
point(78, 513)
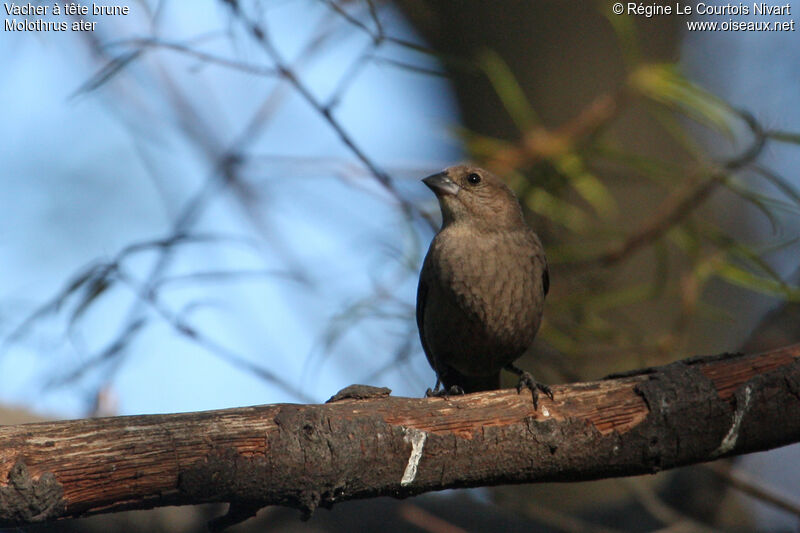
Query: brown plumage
point(482, 286)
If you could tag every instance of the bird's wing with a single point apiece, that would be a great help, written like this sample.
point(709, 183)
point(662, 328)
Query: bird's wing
point(422, 293)
point(546, 278)
point(422, 298)
point(538, 257)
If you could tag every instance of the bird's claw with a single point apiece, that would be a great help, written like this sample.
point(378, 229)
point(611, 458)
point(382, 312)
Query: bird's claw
point(526, 381)
point(455, 390)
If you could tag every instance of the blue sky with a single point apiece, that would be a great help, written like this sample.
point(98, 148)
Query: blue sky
point(88, 174)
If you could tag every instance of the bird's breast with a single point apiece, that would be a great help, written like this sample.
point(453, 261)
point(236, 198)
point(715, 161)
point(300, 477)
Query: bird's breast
point(496, 282)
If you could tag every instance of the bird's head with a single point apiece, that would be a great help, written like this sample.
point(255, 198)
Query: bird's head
point(472, 195)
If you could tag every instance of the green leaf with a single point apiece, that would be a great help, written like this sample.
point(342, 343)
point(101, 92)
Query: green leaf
point(766, 202)
point(676, 130)
point(619, 297)
point(686, 239)
point(483, 146)
point(739, 250)
point(508, 89)
point(587, 185)
point(784, 136)
point(568, 215)
point(663, 83)
point(743, 278)
point(779, 182)
point(625, 30)
point(656, 170)
point(756, 201)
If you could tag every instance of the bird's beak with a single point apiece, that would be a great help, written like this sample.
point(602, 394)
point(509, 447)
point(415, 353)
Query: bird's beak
point(441, 184)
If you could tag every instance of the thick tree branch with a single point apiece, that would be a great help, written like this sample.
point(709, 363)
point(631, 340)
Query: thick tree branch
point(695, 410)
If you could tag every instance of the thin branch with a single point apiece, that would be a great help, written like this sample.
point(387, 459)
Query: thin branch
point(741, 481)
point(422, 519)
point(185, 49)
point(684, 201)
point(563, 522)
point(380, 37)
point(539, 143)
point(348, 77)
point(408, 66)
point(282, 67)
point(217, 276)
point(224, 166)
point(146, 293)
point(377, 38)
point(96, 272)
point(659, 510)
point(373, 13)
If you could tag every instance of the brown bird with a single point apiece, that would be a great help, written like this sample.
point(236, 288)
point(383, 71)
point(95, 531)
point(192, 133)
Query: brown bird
point(482, 286)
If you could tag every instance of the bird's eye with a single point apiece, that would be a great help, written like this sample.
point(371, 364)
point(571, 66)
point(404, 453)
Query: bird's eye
point(474, 179)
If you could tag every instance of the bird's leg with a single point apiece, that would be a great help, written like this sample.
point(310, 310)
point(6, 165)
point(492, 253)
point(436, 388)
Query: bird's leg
point(526, 381)
point(435, 391)
point(454, 390)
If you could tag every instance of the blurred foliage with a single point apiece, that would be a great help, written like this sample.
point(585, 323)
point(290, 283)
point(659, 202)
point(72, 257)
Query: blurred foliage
point(568, 180)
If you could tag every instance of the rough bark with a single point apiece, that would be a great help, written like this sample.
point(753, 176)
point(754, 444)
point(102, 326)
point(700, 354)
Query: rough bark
point(695, 410)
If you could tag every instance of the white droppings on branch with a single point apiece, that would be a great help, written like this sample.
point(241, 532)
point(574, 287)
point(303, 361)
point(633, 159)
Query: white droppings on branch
point(417, 440)
point(729, 441)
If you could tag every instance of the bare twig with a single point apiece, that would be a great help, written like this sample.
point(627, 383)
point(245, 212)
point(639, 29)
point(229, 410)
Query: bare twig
point(681, 203)
point(563, 522)
point(153, 42)
point(739, 480)
point(666, 514)
point(282, 67)
point(426, 521)
point(146, 294)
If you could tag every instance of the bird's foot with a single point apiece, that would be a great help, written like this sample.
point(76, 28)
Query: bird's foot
point(455, 390)
point(526, 381)
point(431, 393)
